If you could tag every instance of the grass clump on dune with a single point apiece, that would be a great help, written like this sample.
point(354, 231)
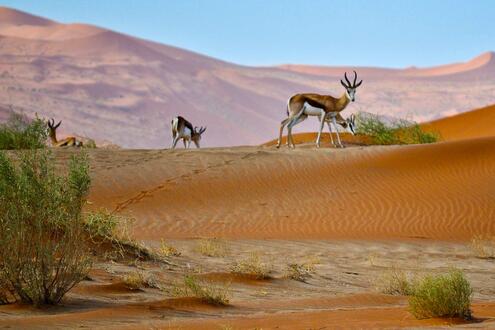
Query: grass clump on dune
point(395, 282)
point(253, 266)
point(483, 246)
point(209, 292)
point(43, 254)
point(447, 295)
point(398, 132)
point(21, 133)
point(212, 247)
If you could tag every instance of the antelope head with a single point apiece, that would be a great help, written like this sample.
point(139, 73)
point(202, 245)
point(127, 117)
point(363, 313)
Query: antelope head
point(350, 124)
point(52, 129)
point(351, 88)
point(196, 135)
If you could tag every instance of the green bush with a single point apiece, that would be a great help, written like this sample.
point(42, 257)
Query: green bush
point(21, 133)
point(43, 254)
point(446, 295)
point(398, 132)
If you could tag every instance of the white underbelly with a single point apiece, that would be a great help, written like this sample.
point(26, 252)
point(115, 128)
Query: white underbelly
point(186, 133)
point(311, 111)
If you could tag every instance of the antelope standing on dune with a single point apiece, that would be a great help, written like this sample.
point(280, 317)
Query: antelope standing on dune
point(182, 129)
point(69, 141)
point(326, 107)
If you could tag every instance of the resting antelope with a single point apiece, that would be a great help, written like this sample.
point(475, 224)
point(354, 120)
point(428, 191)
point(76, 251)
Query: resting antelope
point(326, 107)
point(69, 141)
point(182, 129)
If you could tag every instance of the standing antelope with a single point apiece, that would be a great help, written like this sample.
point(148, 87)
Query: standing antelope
point(69, 141)
point(182, 129)
point(326, 107)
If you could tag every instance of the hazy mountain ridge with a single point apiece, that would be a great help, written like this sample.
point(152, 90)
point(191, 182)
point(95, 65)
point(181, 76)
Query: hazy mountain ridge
point(111, 86)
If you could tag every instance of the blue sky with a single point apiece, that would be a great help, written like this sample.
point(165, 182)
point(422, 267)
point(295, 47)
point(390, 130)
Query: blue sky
point(391, 33)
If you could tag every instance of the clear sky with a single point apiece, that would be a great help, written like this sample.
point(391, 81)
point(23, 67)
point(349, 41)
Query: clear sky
point(387, 33)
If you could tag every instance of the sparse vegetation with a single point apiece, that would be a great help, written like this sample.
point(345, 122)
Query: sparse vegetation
point(483, 246)
point(89, 144)
point(21, 133)
point(398, 132)
point(168, 250)
point(103, 226)
point(209, 292)
point(447, 295)
point(395, 281)
point(212, 247)
point(298, 272)
point(43, 254)
point(138, 280)
point(253, 266)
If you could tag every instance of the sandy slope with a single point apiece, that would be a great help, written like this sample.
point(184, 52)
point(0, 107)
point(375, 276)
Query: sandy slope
point(440, 191)
point(473, 124)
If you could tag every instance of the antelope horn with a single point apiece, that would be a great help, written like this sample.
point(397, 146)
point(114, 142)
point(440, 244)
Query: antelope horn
point(355, 78)
point(203, 129)
point(347, 80)
point(60, 122)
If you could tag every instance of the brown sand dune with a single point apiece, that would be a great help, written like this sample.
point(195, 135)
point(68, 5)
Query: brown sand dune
point(468, 125)
point(438, 191)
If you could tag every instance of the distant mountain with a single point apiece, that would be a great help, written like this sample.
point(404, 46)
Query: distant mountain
point(111, 86)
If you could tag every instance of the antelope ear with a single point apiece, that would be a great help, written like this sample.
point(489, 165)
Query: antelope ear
point(343, 84)
point(353, 117)
point(358, 84)
point(203, 129)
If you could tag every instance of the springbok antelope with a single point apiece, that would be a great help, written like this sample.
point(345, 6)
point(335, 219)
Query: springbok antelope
point(326, 107)
point(182, 129)
point(69, 141)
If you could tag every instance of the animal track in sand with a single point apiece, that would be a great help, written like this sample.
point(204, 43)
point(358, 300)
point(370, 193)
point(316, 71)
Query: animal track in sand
point(147, 193)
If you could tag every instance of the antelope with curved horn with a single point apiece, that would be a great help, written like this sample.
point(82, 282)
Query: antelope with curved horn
point(182, 129)
point(326, 107)
point(69, 141)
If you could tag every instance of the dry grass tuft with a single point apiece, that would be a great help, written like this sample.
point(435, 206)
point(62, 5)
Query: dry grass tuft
point(298, 272)
point(212, 247)
point(168, 250)
point(138, 280)
point(483, 246)
point(395, 281)
point(208, 291)
point(253, 266)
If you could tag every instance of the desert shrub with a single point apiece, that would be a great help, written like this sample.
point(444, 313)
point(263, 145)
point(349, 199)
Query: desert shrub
point(89, 144)
point(395, 282)
point(398, 132)
point(447, 295)
point(253, 266)
point(101, 224)
point(483, 246)
point(168, 250)
point(43, 254)
point(138, 280)
point(209, 292)
point(212, 247)
point(298, 272)
point(21, 133)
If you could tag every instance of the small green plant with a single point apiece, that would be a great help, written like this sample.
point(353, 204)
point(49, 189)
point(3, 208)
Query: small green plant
point(395, 282)
point(101, 224)
point(483, 246)
point(253, 266)
point(43, 254)
point(209, 292)
point(212, 247)
point(21, 133)
point(398, 132)
point(447, 295)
